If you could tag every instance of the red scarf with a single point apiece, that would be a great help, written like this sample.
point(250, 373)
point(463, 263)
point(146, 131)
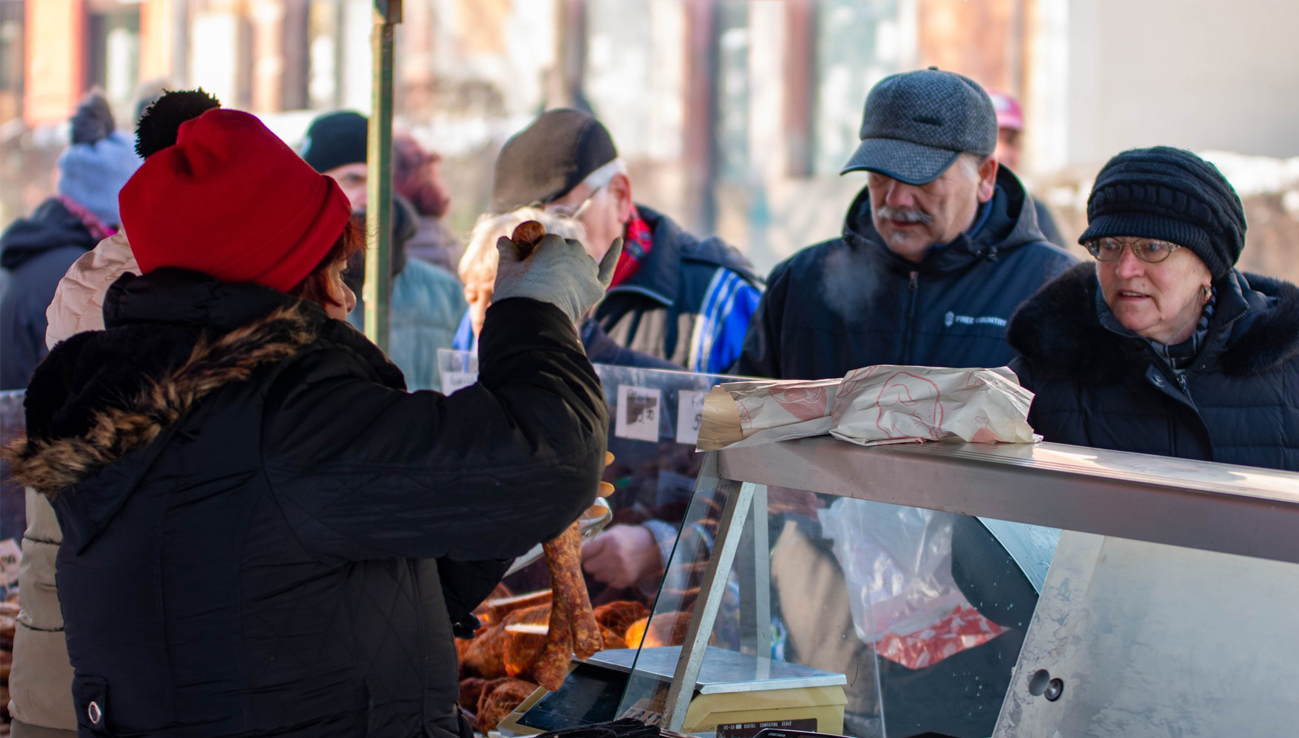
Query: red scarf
point(98, 229)
point(636, 244)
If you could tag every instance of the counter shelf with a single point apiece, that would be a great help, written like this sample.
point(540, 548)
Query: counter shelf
point(1166, 600)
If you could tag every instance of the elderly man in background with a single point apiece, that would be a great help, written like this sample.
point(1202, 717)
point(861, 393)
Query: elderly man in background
point(937, 251)
point(674, 296)
point(426, 302)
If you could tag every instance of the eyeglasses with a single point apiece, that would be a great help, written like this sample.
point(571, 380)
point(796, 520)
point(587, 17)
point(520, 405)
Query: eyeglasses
point(574, 212)
point(1149, 251)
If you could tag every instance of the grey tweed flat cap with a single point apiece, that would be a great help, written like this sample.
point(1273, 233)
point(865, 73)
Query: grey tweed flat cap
point(917, 123)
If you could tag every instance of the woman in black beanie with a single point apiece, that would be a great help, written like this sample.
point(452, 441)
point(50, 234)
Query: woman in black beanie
point(1163, 347)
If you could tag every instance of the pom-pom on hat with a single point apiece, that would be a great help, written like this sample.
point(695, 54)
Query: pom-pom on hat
point(231, 200)
point(1172, 195)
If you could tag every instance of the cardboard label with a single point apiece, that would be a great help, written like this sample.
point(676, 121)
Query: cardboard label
point(638, 413)
point(452, 381)
point(690, 415)
point(11, 555)
point(748, 730)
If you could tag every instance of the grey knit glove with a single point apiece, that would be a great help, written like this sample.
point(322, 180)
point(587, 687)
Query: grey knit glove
point(558, 271)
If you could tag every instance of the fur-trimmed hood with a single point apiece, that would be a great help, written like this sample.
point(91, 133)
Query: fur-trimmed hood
point(104, 394)
point(1255, 329)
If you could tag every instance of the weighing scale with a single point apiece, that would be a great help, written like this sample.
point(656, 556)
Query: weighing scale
point(733, 689)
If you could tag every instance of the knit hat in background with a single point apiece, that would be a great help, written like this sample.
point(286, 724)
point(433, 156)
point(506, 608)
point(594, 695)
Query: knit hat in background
point(336, 139)
point(1171, 195)
point(550, 157)
point(100, 160)
point(228, 198)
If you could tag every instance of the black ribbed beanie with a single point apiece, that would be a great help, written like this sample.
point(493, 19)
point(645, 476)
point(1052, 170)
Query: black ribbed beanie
point(1172, 195)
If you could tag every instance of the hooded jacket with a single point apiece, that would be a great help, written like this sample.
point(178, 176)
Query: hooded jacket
point(36, 251)
point(851, 302)
point(1238, 403)
point(689, 302)
point(264, 534)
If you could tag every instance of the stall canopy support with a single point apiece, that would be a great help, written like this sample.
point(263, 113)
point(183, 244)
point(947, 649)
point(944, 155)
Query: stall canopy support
point(377, 292)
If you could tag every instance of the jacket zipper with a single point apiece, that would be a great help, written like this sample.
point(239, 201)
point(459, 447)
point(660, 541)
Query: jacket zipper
point(912, 287)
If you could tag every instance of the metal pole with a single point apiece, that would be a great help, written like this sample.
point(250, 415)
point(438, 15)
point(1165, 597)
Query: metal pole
point(378, 221)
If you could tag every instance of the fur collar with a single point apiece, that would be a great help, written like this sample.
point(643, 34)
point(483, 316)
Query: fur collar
point(1058, 331)
point(50, 461)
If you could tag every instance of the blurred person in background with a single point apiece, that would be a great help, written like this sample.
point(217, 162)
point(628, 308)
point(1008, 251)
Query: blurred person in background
point(1162, 346)
point(1010, 134)
point(426, 303)
point(621, 556)
point(36, 251)
point(937, 250)
point(674, 296)
point(417, 177)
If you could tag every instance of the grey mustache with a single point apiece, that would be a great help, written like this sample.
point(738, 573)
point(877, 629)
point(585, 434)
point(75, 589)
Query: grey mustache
point(906, 215)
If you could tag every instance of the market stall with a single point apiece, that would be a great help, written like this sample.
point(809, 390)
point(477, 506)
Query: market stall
point(1167, 599)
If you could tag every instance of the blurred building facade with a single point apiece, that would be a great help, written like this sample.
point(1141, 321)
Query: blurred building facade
point(734, 116)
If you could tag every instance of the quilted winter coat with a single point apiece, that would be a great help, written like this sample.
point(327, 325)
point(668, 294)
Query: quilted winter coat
point(264, 534)
point(1095, 386)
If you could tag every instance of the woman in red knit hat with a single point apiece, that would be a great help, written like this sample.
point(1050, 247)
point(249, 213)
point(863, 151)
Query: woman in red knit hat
point(263, 532)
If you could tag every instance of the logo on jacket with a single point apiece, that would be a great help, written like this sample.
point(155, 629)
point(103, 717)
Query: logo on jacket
point(952, 318)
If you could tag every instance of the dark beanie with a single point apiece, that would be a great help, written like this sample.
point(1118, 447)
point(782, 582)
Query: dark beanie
point(1171, 195)
point(546, 160)
point(336, 139)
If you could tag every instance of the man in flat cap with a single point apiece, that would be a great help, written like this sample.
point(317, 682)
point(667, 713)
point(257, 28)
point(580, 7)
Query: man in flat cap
point(674, 296)
point(937, 251)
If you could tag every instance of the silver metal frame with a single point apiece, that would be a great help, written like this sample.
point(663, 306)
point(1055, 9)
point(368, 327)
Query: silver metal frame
point(1199, 505)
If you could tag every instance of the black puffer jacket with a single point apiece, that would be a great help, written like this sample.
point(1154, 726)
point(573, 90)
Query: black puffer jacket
point(264, 534)
point(1238, 403)
point(850, 302)
point(36, 251)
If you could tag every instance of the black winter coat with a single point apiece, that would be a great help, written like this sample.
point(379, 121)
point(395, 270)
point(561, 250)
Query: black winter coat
point(36, 251)
point(1238, 403)
point(851, 302)
point(264, 534)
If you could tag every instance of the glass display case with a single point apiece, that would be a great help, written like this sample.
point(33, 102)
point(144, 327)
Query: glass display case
point(929, 589)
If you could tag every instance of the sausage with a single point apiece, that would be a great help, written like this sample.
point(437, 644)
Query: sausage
point(552, 666)
point(526, 237)
point(566, 580)
point(499, 699)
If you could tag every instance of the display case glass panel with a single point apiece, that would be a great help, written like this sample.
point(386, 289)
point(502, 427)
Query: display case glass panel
point(912, 619)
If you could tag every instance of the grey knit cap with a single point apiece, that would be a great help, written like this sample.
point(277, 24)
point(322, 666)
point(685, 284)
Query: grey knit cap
point(917, 123)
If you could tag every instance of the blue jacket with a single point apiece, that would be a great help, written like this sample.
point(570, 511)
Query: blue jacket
point(1101, 386)
point(850, 302)
point(425, 309)
point(690, 302)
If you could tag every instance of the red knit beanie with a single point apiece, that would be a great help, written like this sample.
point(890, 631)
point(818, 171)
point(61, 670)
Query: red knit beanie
point(231, 200)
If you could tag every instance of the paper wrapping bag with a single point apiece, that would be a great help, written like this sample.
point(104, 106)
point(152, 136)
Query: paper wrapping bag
point(871, 406)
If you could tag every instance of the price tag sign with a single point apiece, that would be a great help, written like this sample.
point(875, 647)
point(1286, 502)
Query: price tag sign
point(690, 413)
point(638, 413)
point(452, 381)
point(11, 555)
